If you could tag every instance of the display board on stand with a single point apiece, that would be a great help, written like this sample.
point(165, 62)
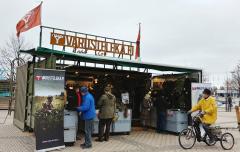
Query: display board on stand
point(48, 105)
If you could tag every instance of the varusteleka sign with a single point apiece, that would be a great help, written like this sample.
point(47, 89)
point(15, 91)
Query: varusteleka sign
point(89, 44)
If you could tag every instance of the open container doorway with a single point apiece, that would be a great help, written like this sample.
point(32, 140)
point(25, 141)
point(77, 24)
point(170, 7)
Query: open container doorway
point(135, 84)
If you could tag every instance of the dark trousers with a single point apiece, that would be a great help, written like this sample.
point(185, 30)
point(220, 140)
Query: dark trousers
point(81, 126)
point(161, 121)
point(206, 128)
point(229, 107)
point(88, 132)
point(102, 124)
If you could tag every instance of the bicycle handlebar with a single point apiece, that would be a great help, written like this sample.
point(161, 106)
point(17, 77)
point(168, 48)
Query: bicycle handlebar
point(199, 114)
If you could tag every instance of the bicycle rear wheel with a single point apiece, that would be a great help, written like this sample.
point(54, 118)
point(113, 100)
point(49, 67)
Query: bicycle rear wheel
point(187, 138)
point(227, 141)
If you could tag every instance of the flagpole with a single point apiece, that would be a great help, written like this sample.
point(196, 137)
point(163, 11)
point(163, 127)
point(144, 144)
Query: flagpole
point(19, 47)
point(137, 53)
point(40, 33)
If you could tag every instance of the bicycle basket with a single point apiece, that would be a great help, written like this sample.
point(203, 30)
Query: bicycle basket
point(216, 131)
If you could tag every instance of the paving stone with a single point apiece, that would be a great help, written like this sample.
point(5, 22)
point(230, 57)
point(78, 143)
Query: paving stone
point(14, 140)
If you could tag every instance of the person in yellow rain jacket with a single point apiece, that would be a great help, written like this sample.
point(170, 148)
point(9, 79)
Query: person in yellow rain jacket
point(208, 108)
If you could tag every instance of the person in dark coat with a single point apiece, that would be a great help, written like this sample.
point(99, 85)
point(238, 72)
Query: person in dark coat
point(146, 109)
point(107, 107)
point(73, 98)
point(161, 109)
point(88, 113)
point(229, 102)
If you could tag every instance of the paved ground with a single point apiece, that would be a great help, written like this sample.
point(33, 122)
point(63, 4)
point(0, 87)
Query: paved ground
point(13, 140)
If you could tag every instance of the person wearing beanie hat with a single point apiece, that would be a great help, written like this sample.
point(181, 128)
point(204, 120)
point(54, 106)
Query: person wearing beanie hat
point(88, 113)
point(84, 89)
point(107, 108)
point(208, 108)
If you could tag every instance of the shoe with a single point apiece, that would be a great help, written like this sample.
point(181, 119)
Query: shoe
point(99, 140)
point(199, 139)
point(106, 139)
point(82, 145)
point(87, 147)
point(211, 141)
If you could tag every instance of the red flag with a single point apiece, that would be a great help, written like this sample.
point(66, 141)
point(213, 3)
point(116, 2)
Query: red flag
point(30, 20)
point(137, 53)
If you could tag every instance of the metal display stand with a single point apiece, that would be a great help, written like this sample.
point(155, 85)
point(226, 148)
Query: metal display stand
point(70, 126)
point(176, 120)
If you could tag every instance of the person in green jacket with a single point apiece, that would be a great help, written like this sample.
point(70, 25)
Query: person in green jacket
point(107, 107)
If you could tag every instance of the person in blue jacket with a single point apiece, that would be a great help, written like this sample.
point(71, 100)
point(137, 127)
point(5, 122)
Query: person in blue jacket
point(88, 113)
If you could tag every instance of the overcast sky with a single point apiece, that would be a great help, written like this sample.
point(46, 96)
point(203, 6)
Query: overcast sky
point(196, 33)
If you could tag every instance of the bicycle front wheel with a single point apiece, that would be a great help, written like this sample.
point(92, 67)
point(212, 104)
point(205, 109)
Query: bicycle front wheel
point(187, 138)
point(227, 141)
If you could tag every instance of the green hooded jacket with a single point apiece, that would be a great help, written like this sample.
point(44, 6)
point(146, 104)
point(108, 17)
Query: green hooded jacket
point(107, 106)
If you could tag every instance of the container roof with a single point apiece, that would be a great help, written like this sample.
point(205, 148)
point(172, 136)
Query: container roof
point(45, 52)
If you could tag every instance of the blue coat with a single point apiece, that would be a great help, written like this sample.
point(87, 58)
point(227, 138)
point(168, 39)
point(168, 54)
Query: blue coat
point(87, 107)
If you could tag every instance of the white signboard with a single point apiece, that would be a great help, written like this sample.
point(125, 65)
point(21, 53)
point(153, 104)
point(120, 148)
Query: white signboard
point(125, 98)
point(197, 89)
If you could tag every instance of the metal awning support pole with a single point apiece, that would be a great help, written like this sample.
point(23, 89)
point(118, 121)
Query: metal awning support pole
point(11, 88)
point(31, 110)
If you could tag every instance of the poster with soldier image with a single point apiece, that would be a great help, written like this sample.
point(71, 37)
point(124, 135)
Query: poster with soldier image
point(48, 109)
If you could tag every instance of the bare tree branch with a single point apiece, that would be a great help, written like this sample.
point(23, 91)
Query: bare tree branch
point(236, 78)
point(11, 51)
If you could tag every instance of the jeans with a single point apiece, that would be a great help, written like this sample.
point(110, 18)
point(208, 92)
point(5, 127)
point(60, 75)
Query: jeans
point(102, 124)
point(161, 121)
point(206, 128)
point(81, 125)
point(88, 132)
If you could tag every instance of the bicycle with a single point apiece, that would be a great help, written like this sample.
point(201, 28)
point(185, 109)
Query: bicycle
point(187, 137)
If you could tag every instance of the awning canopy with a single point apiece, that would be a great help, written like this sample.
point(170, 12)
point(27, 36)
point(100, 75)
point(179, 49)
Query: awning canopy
point(45, 52)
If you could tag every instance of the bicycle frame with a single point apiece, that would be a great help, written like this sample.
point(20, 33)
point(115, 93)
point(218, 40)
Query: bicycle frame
point(193, 127)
